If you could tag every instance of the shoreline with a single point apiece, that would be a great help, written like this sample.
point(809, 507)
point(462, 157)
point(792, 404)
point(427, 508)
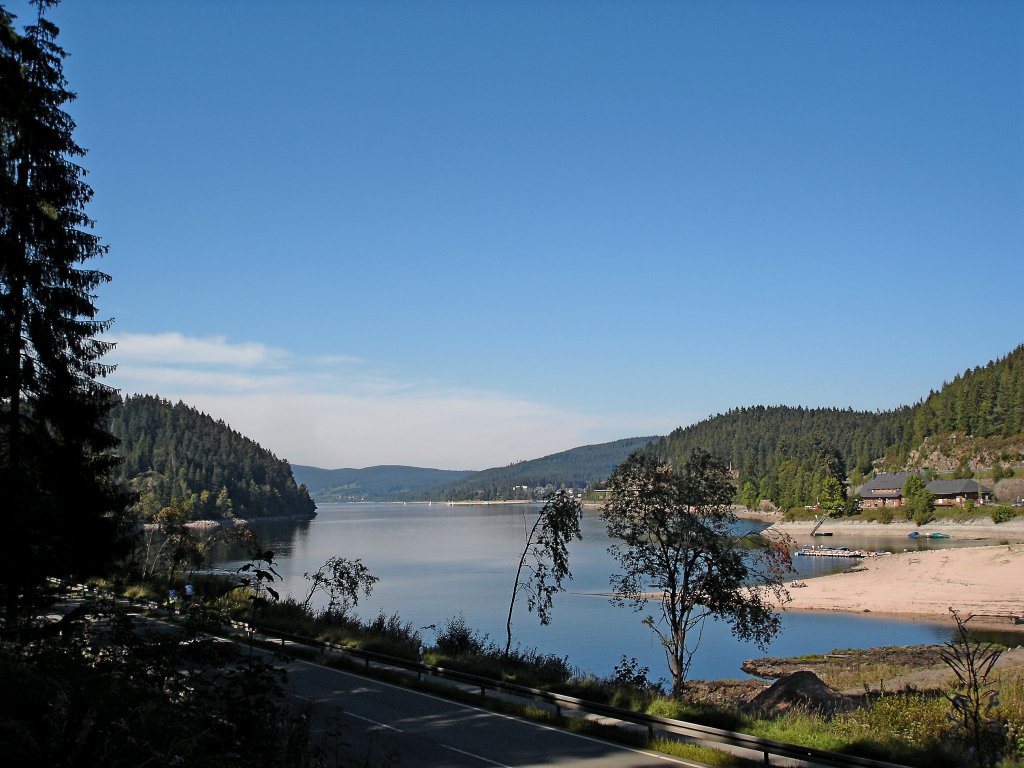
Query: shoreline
point(977, 529)
point(979, 581)
point(982, 582)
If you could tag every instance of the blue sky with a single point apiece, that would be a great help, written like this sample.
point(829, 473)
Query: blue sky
point(461, 234)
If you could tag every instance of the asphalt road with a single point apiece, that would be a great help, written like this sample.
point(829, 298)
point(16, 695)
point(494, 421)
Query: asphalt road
point(379, 724)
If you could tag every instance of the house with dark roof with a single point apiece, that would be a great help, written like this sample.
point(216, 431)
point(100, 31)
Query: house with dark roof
point(956, 492)
point(886, 490)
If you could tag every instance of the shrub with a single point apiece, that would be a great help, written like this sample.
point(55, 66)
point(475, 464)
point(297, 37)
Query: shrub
point(877, 515)
point(391, 636)
point(456, 638)
point(629, 674)
point(461, 647)
point(1003, 514)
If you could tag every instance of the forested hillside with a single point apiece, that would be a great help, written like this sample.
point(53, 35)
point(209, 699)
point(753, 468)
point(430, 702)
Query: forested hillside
point(987, 401)
point(372, 483)
point(575, 468)
point(173, 454)
point(785, 454)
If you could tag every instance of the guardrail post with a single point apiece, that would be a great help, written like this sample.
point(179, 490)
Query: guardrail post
point(767, 758)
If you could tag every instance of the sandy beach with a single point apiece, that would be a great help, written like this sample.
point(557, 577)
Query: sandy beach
point(982, 581)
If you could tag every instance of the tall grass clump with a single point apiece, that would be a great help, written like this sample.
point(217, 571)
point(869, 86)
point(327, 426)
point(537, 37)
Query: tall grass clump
point(909, 727)
point(628, 687)
point(459, 646)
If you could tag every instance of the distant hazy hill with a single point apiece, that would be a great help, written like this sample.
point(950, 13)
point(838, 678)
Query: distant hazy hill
point(174, 453)
point(575, 468)
point(372, 483)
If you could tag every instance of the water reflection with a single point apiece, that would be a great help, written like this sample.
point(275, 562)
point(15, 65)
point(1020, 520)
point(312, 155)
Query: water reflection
point(437, 561)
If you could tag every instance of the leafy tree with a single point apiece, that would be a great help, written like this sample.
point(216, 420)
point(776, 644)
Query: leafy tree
point(178, 546)
point(748, 495)
point(833, 495)
point(546, 558)
point(680, 548)
point(852, 506)
point(918, 502)
point(55, 460)
point(223, 504)
point(340, 580)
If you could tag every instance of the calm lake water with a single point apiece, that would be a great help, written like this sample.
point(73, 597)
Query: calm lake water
point(436, 562)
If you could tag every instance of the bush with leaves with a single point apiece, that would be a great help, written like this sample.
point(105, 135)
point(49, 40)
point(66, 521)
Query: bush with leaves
point(457, 638)
point(918, 502)
point(1003, 514)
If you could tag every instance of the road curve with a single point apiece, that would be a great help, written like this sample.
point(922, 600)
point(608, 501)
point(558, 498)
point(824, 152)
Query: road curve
point(376, 723)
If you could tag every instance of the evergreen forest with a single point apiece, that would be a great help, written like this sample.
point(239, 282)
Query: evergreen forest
point(173, 455)
point(786, 454)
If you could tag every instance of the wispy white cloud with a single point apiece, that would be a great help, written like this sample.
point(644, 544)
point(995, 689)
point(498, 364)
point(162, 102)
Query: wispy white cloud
point(178, 349)
point(338, 411)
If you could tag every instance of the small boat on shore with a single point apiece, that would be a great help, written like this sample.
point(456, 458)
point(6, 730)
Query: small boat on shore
point(913, 534)
point(938, 535)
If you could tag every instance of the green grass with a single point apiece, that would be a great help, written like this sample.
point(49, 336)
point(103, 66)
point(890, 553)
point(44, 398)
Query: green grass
point(701, 754)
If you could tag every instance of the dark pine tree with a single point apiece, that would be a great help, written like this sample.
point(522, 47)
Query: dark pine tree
point(61, 511)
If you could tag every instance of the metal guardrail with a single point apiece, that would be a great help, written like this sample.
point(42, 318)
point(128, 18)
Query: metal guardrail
point(766, 747)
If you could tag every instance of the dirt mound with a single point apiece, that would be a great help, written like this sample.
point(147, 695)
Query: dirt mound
point(799, 689)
